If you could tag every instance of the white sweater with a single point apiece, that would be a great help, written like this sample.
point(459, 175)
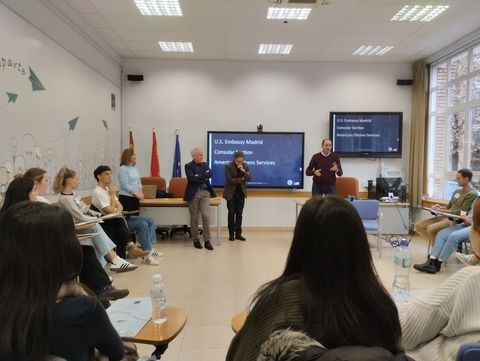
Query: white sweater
point(435, 326)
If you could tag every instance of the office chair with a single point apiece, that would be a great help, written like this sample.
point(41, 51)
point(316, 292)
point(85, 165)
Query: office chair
point(369, 212)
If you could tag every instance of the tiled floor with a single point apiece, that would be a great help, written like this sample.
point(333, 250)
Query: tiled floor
point(213, 286)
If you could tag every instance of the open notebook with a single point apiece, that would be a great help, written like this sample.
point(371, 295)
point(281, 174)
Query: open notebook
point(129, 315)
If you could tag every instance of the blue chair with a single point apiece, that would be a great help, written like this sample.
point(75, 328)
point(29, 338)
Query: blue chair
point(369, 212)
point(469, 352)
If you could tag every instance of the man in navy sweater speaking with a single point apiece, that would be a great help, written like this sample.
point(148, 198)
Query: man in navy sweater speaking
point(325, 167)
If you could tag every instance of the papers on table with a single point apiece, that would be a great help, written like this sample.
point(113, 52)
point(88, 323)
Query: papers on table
point(92, 221)
point(129, 315)
point(111, 215)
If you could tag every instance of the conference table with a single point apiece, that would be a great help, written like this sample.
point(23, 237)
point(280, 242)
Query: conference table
point(174, 211)
point(161, 335)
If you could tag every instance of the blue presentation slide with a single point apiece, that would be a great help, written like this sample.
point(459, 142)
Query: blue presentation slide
point(275, 159)
point(366, 133)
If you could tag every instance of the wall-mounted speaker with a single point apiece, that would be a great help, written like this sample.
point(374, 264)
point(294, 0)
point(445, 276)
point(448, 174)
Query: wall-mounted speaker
point(132, 77)
point(404, 81)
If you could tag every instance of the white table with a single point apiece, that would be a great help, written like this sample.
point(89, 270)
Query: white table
point(174, 211)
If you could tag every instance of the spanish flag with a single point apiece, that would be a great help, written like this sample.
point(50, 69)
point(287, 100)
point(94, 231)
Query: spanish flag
point(132, 144)
point(154, 165)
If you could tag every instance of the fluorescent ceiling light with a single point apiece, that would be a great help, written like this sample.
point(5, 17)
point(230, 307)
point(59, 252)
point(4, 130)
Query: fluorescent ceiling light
point(159, 7)
point(419, 12)
point(274, 48)
point(176, 46)
point(288, 13)
point(372, 50)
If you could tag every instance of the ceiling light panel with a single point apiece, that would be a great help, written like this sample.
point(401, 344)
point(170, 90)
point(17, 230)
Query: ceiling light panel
point(159, 7)
point(176, 46)
point(419, 12)
point(288, 13)
point(372, 50)
point(275, 48)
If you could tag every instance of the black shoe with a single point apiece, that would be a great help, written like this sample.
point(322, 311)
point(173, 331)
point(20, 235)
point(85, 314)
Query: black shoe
point(197, 244)
point(231, 237)
point(437, 264)
point(110, 293)
point(208, 245)
point(240, 238)
point(428, 267)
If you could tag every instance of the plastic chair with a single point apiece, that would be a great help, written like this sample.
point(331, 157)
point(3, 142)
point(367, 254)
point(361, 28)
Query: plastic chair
point(346, 186)
point(469, 352)
point(369, 212)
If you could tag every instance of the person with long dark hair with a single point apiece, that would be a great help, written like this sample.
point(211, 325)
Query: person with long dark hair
point(20, 189)
point(43, 310)
point(329, 289)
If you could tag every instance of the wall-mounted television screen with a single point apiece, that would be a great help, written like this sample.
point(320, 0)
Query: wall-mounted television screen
point(275, 158)
point(367, 134)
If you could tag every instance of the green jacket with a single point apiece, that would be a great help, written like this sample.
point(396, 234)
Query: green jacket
point(462, 200)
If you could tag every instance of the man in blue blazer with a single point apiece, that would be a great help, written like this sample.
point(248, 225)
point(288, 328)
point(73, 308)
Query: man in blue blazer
point(197, 194)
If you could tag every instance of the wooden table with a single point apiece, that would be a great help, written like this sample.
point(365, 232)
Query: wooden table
point(174, 211)
point(161, 335)
point(238, 320)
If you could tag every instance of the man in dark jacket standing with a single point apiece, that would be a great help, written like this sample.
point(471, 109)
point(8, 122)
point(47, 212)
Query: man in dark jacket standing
point(197, 194)
point(237, 174)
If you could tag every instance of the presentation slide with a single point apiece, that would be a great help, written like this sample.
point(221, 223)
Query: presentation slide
point(372, 134)
point(275, 159)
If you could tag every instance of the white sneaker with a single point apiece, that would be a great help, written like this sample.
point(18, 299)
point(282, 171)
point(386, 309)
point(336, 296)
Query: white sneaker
point(467, 259)
point(122, 266)
point(156, 253)
point(150, 261)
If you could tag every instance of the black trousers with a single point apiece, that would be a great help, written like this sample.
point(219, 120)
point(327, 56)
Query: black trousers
point(235, 213)
point(92, 273)
point(117, 230)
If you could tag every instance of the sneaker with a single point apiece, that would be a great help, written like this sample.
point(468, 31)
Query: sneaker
point(197, 244)
point(110, 293)
point(208, 245)
point(135, 252)
point(467, 259)
point(156, 253)
point(122, 266)
point(150, 261)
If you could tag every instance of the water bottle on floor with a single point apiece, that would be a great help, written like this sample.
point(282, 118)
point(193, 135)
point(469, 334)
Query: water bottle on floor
point(402, 262)
point(158, 295)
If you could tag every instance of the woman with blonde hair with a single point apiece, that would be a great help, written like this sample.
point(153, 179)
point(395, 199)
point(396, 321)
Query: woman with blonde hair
point(130, 194)
point(65, 183)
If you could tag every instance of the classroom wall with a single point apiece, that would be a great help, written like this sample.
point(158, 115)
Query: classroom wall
point(197, 96)
point(55, 110)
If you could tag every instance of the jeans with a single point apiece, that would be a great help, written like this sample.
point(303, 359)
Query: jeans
point(319, 189)
point(235, 212)
point(100, 242)
point(200, 205)
point(144, 227)
point(448, 239)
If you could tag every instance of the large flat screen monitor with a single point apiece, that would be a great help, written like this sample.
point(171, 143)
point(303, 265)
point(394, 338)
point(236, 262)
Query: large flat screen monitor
point(275, 158)
point(367, 134)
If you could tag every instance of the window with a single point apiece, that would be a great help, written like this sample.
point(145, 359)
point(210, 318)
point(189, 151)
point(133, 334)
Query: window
point(454, 119)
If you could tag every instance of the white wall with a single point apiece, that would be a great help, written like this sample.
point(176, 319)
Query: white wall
point(197, 96)
point(34, 129)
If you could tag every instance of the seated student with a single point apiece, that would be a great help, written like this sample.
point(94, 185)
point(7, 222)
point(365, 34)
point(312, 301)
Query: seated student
point(44, 311)
point(130, 194)
point(65, 183)
point(92, 273)
point(435, 326)
point(104, 198)
point(474, 235)
point(40, 179)
point(447, 242)
point(328, 290)
point(461, 200)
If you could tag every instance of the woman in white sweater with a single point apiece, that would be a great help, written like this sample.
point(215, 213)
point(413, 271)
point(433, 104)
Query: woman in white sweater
point(435, 326)
point(66, 181)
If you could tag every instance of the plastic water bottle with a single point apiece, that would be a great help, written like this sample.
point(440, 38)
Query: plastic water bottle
point(402, 261)
point(158, 295)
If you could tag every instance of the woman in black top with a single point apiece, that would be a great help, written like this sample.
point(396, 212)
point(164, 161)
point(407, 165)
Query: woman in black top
point(43, 310)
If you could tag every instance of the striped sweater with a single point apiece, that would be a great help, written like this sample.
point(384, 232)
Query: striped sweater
point(435, 326)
